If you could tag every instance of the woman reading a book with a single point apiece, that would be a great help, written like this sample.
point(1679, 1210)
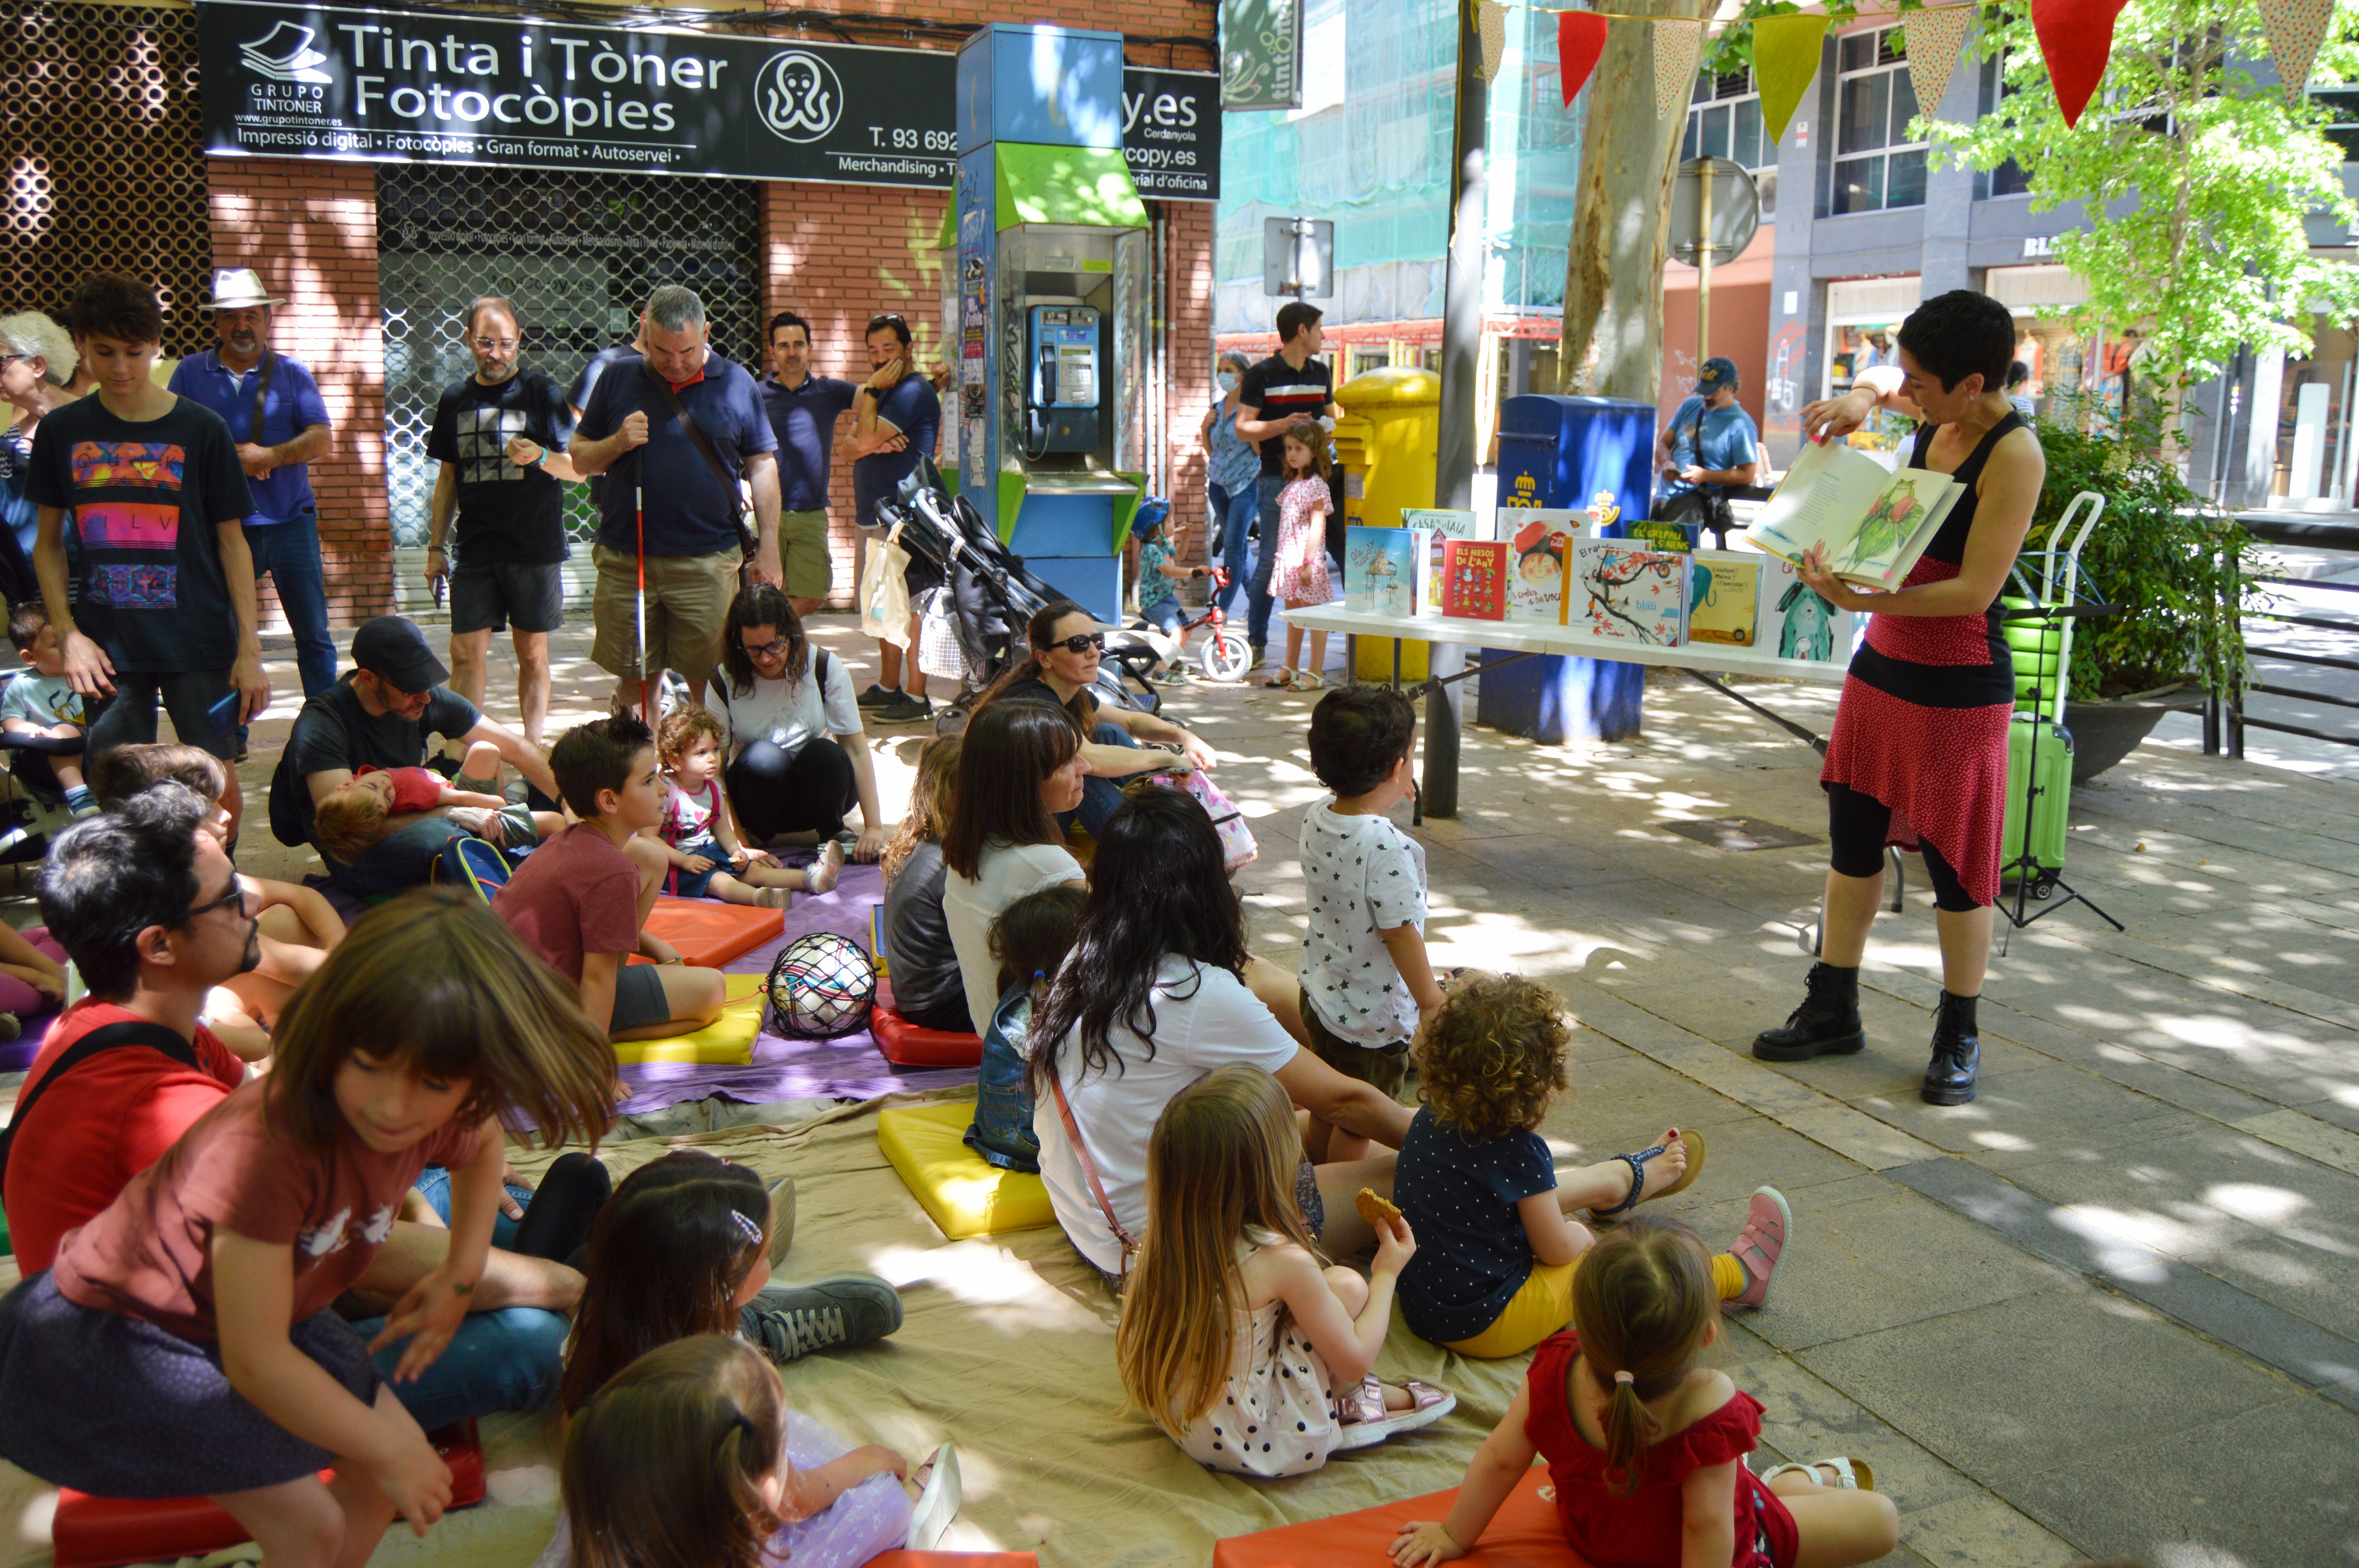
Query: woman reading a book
point(1918, 754)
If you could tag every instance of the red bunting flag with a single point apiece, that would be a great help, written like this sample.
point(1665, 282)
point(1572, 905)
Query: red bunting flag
point(2076, 38)
point(1579, 39)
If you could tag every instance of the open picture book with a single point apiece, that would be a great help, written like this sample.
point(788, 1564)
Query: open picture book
point(1874, 523)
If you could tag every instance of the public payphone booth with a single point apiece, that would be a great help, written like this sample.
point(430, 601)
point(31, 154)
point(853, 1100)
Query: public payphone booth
point(1053, 282)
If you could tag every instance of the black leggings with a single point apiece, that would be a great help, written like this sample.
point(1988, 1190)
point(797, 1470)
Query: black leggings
point(777, 791)
point(1858, 828)
point(556, 1224)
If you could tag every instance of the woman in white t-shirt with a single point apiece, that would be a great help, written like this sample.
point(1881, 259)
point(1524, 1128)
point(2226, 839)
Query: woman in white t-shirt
point(1155, 995)
point(1019, 764)
point(798, 758)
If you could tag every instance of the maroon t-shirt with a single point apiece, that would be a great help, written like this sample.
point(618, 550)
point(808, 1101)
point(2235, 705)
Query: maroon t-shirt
point(577, 893)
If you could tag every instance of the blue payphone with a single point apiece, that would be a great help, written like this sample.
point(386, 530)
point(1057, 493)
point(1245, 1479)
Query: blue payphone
point(1061, 403)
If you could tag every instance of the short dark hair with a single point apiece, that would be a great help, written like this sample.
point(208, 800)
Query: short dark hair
point(2017, 374)
point(1008, 750)
point(787, 318)
point(1357, 733)
point(1032, 936)
point(109, 305)
point(880, 322)
point(24, 624)
point(1295, 315)
point(499, 302)
point(1953, 336)
point(596, 756)
point(119, 772)
point(109, 878)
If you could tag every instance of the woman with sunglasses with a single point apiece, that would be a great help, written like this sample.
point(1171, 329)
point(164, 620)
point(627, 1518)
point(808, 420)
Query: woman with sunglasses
point(1068, 644)
point(797, 758)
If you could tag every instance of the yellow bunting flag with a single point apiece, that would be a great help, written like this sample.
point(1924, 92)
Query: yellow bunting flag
point(1785, 58)
point(2295, 28)
point(1934, 39)
point(1491, 26)
point(1677, 43)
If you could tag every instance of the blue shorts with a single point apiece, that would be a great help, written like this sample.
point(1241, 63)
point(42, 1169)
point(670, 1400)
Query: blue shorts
point(1165, 613)
point(691, 884)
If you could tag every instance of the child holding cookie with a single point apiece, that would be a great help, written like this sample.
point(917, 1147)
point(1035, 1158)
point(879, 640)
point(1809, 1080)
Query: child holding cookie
point(1476, 1179)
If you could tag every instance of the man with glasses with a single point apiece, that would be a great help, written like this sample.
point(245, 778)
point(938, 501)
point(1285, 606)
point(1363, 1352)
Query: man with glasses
point(379, 717)
point(500, 436)
point(275, 411)
point(896, 419)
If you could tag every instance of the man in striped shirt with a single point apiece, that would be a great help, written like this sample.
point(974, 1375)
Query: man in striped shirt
point(1284, 392)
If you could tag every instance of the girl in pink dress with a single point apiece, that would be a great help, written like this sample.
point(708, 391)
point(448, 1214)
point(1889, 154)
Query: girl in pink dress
point(1297, 575)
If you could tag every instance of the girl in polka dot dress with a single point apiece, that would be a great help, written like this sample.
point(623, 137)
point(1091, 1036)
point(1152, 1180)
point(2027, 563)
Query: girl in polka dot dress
point(1249, 1355)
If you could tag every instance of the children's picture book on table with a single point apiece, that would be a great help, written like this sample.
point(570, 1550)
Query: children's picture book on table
point(1540, 543)
point(1384, 569)
point(1447, 523)
point(1795, 623)
point(1474, 574)
point(1629, 592)
point(1725, 598)
point(1874, 523)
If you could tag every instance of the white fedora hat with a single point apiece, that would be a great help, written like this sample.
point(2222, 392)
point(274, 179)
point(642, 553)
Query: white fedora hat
point(237, 287)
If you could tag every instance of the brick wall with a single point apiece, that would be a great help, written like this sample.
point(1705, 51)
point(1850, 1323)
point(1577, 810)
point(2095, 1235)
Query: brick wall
point(1188, 259)
point(308, 227)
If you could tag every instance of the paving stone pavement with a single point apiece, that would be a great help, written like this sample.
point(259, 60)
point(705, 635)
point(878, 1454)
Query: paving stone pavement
point(2111, 1308)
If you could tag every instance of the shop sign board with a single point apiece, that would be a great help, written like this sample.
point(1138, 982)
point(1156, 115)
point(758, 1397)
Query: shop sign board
point(1261, 54)
point(281, 81)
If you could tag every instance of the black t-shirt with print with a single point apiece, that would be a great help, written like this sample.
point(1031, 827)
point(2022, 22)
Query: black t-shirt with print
point(335, 732)
point(146, 500)
point(1277, 389)
point(506, 513)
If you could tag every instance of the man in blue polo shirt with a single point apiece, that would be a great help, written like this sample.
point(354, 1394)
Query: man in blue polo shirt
point(692, 492)
point(803, 411)
point(235, 379)
point(1709, 445)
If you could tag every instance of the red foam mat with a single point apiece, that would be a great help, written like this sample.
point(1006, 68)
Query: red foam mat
point(904, 1044)
point(710, 932)
point(1523, 1534)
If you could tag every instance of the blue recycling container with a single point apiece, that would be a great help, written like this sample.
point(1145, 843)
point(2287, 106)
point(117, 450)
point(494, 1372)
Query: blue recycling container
point(1559, 452)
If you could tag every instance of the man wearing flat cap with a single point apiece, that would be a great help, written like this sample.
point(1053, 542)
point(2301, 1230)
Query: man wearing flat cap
point(275, 413)
point(379, 717)
point(1709, 445)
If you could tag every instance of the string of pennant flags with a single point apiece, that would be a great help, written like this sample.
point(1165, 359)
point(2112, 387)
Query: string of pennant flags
point(2076, 39)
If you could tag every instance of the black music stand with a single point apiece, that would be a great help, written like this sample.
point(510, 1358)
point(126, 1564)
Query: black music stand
point(2026, 868)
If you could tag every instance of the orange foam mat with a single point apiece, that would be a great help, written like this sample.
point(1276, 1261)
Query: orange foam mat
point(710, 932)
point(1523, 1534)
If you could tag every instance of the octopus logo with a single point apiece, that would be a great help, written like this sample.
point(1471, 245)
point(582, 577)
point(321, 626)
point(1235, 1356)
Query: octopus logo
point(799, 96)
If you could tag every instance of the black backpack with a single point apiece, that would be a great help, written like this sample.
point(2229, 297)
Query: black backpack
point(132, 1031)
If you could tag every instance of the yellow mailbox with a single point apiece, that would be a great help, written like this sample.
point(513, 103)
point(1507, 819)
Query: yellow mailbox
point(1385, 447)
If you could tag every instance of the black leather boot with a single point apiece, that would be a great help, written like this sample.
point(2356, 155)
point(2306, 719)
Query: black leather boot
point(1957, 1054)
point(1826, 1024)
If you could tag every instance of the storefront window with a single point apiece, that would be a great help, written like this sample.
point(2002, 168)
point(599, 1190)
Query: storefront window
point(2314, 420)
point(1877, 164)
point(1725, 121)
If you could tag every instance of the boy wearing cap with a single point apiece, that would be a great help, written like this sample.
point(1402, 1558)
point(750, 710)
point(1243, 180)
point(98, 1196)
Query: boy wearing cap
point(379, 717)
point(1709, 444)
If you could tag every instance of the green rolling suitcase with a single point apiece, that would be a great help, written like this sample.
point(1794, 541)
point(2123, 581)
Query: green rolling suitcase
point(2049, 807)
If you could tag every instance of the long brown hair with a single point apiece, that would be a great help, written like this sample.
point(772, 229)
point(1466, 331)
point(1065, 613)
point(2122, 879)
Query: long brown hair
point(664, 1469)
point(930, 794)
point(1039, 636)
point(1008, 752)
point(436, 983)
point(667, 1254)
point(1315, 443)
point(762, 604)
point(1222, 1161)
point(1642, 1303)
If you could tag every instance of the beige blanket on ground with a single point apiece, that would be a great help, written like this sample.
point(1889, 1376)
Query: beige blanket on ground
point(1007, 1351)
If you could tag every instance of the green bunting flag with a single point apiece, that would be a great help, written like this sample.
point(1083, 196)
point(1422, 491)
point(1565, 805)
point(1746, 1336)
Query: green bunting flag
point(1785, 58)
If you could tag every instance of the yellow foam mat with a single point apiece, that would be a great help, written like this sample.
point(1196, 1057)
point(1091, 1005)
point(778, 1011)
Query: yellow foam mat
point(727, 1041)
point(965, 1194)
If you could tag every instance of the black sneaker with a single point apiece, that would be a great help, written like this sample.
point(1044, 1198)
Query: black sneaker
point(877, 695)
point(905, 709)
point(842, 1312)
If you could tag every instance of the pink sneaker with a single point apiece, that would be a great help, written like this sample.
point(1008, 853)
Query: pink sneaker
point(1767, 1226)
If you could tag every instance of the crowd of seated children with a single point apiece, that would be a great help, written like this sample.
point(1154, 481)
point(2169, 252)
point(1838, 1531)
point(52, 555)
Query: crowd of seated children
point(44, 706)
point(212, 1274)
point(1645, 1446)
point(1252, 1357)
point(698, 832)
point(356, 816)
point(1495, 1275)
point(684, 1248)
point(581, 900)
point(928, 988)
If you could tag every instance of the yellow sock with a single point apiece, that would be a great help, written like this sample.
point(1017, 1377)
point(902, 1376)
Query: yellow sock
point(1728, 1276)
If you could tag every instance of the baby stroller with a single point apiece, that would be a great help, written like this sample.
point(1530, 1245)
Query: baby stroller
point(990, 595)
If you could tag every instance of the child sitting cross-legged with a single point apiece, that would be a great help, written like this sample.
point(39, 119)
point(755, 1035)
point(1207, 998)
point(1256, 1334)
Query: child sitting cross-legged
point(1646, 1447)
point(1496, 1274)
point(350, 821)
point(698, 832)
point(44, 706)
point(581, 900)
point(1249, 1354)
point(184, 1342)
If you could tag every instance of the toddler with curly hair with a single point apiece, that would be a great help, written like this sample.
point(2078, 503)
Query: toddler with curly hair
point(1493, 1274)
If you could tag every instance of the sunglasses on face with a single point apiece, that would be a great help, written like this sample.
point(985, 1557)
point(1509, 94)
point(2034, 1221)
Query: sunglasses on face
point(1082, 642)
point(236, 895)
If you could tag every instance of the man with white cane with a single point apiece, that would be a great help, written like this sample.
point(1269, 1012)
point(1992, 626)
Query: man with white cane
point(685, 437)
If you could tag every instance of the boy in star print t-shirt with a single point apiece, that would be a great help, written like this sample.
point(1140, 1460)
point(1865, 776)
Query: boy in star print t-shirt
point(1365, 981)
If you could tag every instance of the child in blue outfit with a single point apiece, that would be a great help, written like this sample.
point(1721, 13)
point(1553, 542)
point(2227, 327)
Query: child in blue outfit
point(1158, 601)
point(43, 703)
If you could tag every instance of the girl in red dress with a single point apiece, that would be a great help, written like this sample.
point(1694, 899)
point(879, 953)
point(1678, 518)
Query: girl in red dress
point(1646, 1448)
point(1918, 754)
